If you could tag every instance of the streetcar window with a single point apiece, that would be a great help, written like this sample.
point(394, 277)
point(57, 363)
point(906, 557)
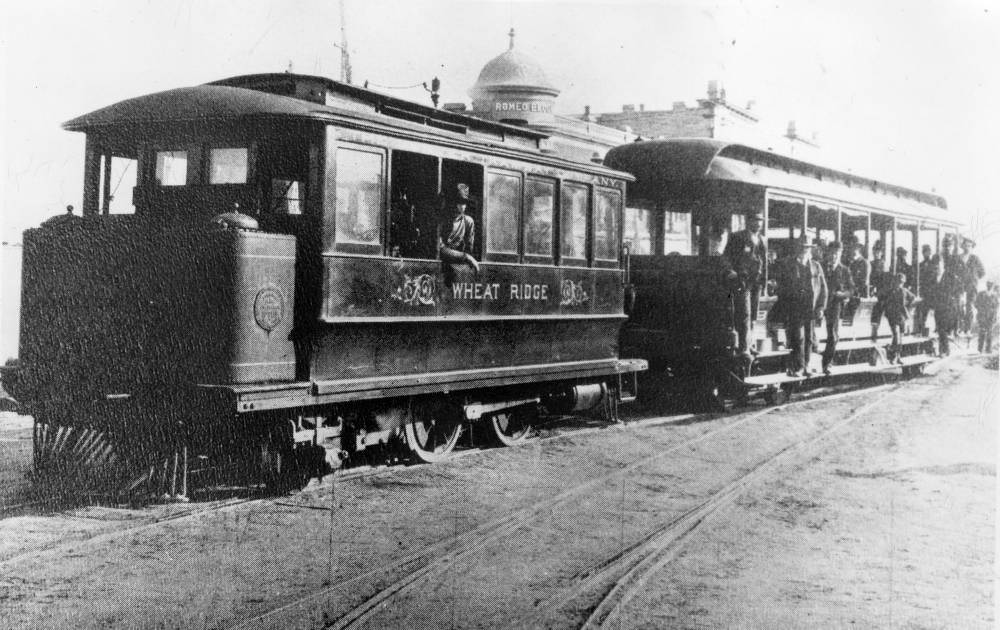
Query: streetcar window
point(854, 230)
point(639, 230)
point(415, 208)
point(538, 218)
point(928, 236)
point(171, 168)
point(227, 166)
point(287, 196)
point(881, 241)
point(359, 196)
point(906, 239)
point(606, 208)
point(785, 223)
point(502, 213)
point(677, 233)
point(573, 221)
point(822, 222)
point(118, 179)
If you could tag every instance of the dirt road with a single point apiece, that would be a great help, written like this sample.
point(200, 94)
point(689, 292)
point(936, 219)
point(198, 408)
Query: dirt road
point(870, 510)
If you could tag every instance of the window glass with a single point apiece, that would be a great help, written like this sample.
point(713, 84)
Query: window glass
point(574, 221)
point(502, 213)
point(607, 203)
point(121, 182)
point(677, 233)
point(171, 168)
point(538, 222)
point(227, 166)
point(639, 230)
point(359, 196)
point(287, 196)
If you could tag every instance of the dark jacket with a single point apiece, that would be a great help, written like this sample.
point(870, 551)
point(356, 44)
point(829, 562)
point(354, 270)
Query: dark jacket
point(972, 271)
point(801, 290)
point(839, 287)
point(746, 258)
point(861, 271)
point(928, 278)
point(897, 301)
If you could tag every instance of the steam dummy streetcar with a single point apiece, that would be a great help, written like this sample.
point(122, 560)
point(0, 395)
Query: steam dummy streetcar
point(690, 192)
point(272, 292)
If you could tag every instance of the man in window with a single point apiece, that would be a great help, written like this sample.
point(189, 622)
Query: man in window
point(457, 237)
point(745, 254)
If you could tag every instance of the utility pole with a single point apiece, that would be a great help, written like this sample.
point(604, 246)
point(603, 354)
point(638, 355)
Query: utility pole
point(345, 55)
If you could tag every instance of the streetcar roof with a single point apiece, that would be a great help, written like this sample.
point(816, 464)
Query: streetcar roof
point(249, 97)
point(669, 167)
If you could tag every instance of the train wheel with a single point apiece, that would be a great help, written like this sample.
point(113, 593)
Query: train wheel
point(432, 431)
point(514, 426)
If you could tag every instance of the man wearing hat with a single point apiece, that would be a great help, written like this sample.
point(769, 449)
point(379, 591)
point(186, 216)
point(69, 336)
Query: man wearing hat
point(745, 254)
point(802, 295)
point(947, 306)
point(840, 287)
point(972, 273)
point(457, 236)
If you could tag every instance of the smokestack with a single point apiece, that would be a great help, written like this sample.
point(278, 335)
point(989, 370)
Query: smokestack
point(713, 90)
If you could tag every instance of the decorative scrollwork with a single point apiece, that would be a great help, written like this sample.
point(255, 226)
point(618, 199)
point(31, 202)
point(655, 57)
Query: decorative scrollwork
point(420, 290)
point(573, 293)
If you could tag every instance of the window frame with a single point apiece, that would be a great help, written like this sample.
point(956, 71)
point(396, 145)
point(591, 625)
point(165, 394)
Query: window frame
point(588, 191)
point(361, 249)
point(191, 174)
point(212, 146)
point(487, 254)
point(617, 212)
point(526, 256)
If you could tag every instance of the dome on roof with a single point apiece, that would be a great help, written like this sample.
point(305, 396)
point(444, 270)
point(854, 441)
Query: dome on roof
point(513, 88)
point(513, 69)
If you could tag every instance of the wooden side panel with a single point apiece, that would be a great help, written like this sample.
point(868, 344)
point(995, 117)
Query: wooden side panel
point(362, 289)
point(359, 350)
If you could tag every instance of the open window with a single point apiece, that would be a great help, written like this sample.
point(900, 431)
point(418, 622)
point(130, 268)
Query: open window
point(638, 229)
point(906, 252)
point(676, 232)
point(415, 206)
point(854, 230)
point(785, 223)
point(882, 242)
point(119, 176)
point(822, 222)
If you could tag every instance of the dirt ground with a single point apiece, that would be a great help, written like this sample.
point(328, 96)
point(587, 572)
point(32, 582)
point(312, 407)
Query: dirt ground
point(870, 510)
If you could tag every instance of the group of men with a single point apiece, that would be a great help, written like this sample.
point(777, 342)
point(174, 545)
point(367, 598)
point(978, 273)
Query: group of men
point(812, 285)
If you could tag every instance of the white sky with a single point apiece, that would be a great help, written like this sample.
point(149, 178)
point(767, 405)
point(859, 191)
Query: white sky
point(907, 91)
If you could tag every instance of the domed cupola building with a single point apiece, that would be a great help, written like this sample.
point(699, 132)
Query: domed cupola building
point(513, 88)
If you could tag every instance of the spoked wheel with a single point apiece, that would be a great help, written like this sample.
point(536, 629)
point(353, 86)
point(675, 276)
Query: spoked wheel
point(514, 426)
point(433, 430)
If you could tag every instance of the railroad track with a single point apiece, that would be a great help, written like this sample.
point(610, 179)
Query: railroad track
point(637, 564)
point(434, 560)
